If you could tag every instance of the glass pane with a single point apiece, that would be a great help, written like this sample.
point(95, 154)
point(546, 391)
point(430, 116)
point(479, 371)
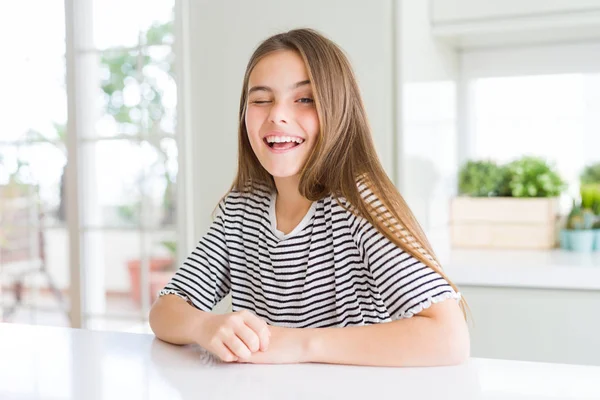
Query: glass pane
point(138, 93)
point(119, 23)
point(34, 260)
point(42, 165)
point(114, 291)
point(157, 22)
point(552, 116)
point(34, 253)
point(160, 157)
point(112, 175)
point(116, 23)
point(120, 105)
point(106, 288)
point(159, 91)
point(33, 68)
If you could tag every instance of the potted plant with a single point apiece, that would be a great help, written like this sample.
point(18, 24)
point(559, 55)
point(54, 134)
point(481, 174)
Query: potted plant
point(161, 269)
point(590, 174)
point(596, 229)
point(578, 234)
point(590, 196)
point(506, 206)
point(482, 178)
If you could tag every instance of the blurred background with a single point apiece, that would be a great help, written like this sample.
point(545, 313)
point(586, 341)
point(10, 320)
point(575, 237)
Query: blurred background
point(119, 136)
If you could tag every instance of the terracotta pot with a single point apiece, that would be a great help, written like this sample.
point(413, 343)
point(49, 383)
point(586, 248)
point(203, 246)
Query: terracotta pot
point(158, 266)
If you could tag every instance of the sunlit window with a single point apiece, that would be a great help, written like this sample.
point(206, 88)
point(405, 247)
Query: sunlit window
point(552, 116)
point(126, 147)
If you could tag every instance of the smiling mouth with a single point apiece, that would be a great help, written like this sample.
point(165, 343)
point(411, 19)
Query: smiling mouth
point(282, 146)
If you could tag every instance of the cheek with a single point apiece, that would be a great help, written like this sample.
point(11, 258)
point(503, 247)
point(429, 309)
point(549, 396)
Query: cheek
point(310, 123)
point(250, 119)
point(253, 122)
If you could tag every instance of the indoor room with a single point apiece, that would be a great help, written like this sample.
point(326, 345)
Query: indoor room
point(127, 245)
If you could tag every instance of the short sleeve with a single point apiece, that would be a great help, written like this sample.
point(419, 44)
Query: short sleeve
point(204, 278)
point(405, 284)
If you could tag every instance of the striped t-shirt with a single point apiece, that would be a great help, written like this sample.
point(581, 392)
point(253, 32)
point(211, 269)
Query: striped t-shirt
point(333, 269)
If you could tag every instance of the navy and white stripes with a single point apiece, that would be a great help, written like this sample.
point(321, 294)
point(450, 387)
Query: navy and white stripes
point(333, 269)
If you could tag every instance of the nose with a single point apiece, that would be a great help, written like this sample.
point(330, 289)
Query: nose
point(278, 113)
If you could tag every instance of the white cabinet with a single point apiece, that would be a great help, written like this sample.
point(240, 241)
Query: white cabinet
point(559, 326)
point(457, 11)
point(479, 23)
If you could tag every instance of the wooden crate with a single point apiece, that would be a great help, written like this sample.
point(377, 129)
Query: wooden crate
point(504, 222)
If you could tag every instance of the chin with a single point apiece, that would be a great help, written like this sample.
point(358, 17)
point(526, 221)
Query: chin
point(278, 173)
point(283, 176)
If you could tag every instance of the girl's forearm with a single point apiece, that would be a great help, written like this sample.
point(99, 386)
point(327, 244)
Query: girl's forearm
point(416, 341)
point(173, 320)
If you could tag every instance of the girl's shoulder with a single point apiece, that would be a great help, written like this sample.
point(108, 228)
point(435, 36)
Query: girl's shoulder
point(349, 209)
point(365, 193)
point(342, 208)
point(255, 197)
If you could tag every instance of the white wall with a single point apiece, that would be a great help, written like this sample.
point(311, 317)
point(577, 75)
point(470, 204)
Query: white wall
point(223, 35)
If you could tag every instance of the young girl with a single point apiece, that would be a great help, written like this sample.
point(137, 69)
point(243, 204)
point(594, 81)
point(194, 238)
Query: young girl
point(323, 258)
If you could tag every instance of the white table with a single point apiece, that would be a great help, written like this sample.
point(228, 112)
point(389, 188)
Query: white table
point(59, 363)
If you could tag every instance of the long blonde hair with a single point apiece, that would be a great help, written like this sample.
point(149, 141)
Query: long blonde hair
point(344, 145)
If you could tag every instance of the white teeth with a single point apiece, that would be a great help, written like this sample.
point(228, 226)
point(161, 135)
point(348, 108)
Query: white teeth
point(283, 139)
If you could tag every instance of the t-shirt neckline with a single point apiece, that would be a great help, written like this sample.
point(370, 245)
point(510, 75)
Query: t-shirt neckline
point(301, 225)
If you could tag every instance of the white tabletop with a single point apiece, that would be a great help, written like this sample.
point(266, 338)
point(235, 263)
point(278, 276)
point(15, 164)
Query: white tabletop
point(59, 363)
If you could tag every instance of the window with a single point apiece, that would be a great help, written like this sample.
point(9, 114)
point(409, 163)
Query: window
point(126, 94)
point(122, 93)
point(34, 278)
point(542, 101)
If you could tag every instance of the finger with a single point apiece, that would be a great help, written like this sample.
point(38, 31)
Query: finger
point(237, 347)
point(224, 353)
point(261, 329)
point(248, 336)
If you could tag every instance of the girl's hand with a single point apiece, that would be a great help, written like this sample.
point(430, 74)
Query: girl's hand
point(235, 335)
point(287, 346)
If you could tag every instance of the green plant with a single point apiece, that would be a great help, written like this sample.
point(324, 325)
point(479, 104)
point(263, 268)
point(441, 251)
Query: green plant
point(590, 197)
point(480, 178)
point(580, 218)
point(590, 174)
point(533, 177)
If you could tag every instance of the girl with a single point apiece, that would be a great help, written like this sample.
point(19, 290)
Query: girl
point(323, 258)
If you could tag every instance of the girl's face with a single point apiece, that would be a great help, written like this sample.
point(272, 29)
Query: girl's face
point(281, 118)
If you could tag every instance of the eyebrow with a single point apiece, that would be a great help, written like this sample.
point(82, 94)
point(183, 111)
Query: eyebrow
point(268, 89)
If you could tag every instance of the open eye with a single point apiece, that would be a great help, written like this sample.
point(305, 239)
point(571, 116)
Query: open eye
point(306, 100)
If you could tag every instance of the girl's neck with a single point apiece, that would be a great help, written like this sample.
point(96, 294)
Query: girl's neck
point(290, 203)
